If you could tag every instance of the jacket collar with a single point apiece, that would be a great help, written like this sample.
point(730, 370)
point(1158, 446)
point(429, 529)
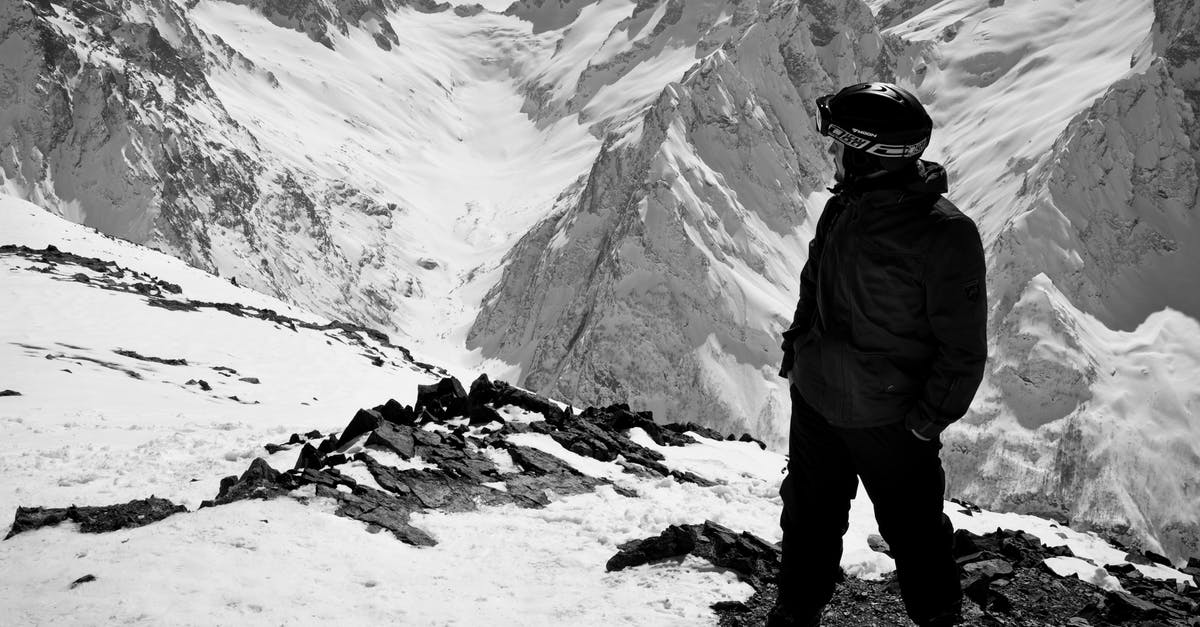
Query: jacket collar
point(924, 178)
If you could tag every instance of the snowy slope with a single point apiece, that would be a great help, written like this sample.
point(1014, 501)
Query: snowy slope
point(610, 201)
point(665, 278)
point(98, 435)
point(1085, 191)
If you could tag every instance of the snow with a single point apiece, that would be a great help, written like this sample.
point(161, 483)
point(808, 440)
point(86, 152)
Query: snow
point(1002, 82)
point(1085, 570)
point(97, 435)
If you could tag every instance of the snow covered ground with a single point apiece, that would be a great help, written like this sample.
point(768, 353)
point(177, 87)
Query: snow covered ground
point(92, 427)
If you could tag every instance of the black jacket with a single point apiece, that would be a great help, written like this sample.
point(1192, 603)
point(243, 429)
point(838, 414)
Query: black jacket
point(891, 321)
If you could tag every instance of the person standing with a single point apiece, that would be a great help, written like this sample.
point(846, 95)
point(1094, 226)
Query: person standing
point(886, 348)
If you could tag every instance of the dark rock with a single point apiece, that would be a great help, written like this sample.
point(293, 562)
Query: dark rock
point(1124, 607)
point(482, 391)
point(375, 507)
point(536, 491)
point(253, 380)
point(753, 559)
point(674, 541)
point(499, 394)
point(684, 476)
point(296, 439)
point(536, 462)
point(364, 421)
point(483, 414)
point(398, 438)
point(309, 458)
point(82, 580)
point(968, 508)
point(393, 412)
point(9, 393)
point(684, 427)
point(204, 385)
point(1156, 558)
point(260, 481)
point(157, 360)
point(988, 569)
point(1121, 569)
point(328, 445)
point(312, 435)
point(746, 437)
point(101, 519)
point(1137, 558)
point(336, 460)
point(468, 10)
point(444, 399)
point(431, 488)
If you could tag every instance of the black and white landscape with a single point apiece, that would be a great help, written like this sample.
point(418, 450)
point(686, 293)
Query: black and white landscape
point(316, 206)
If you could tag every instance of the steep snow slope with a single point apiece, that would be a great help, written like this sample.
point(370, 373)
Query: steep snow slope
point(305, 153)
point(665, 278)
point(118, 427)
point(1086, 192)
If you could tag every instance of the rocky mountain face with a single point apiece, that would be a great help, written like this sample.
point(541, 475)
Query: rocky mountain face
point(671, 267)
point(112, 120)
point(1094, 272)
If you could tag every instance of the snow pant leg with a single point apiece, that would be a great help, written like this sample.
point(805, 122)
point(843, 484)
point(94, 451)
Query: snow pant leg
point(816, 508)
point(904, 478)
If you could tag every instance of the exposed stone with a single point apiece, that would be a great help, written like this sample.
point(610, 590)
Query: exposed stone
point(100, 519)
point(9, 393)
point(396, 437)
point(392, 411)
point(444, 399)
point(364, 421)
point(309, 458)
point(375, 507)
point(82, 580)
point(260, 481)
point(157, 360)
point(483, 414)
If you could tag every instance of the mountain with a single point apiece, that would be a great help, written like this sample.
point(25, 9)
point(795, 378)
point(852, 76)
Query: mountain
point(672, 265)
point(1089, 409)
point(610, 201)
point(133, 384)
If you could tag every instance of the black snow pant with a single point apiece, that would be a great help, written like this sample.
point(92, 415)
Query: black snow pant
point(904, 479)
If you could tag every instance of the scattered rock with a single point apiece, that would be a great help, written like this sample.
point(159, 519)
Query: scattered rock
point(158, 360)
point(392, 411)
point(9, 393)
point(443, 399)
point(252, 380)
point(396, 437)
point(260, 481)
point(366, 420)
point(96, 519)
point(82, 580)
point(309, 458)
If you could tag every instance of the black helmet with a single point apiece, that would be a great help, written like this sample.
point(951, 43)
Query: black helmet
point(880, 119)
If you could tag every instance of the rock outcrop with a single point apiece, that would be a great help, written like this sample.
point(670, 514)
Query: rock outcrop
point(1005, 578)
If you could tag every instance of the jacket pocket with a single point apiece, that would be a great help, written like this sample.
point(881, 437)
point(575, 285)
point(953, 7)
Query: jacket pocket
point(879, 391)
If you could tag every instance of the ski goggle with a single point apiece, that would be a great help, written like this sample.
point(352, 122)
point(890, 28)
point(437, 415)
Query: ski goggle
point(861, 140)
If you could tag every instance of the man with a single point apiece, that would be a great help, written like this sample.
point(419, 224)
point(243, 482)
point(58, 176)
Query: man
point(887, 348)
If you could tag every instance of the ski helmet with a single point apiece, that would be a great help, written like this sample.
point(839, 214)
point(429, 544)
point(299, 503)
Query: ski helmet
point(880, 119)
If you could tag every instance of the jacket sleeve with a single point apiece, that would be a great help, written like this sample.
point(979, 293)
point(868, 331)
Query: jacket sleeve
point(956, 306)
point(806, 306)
